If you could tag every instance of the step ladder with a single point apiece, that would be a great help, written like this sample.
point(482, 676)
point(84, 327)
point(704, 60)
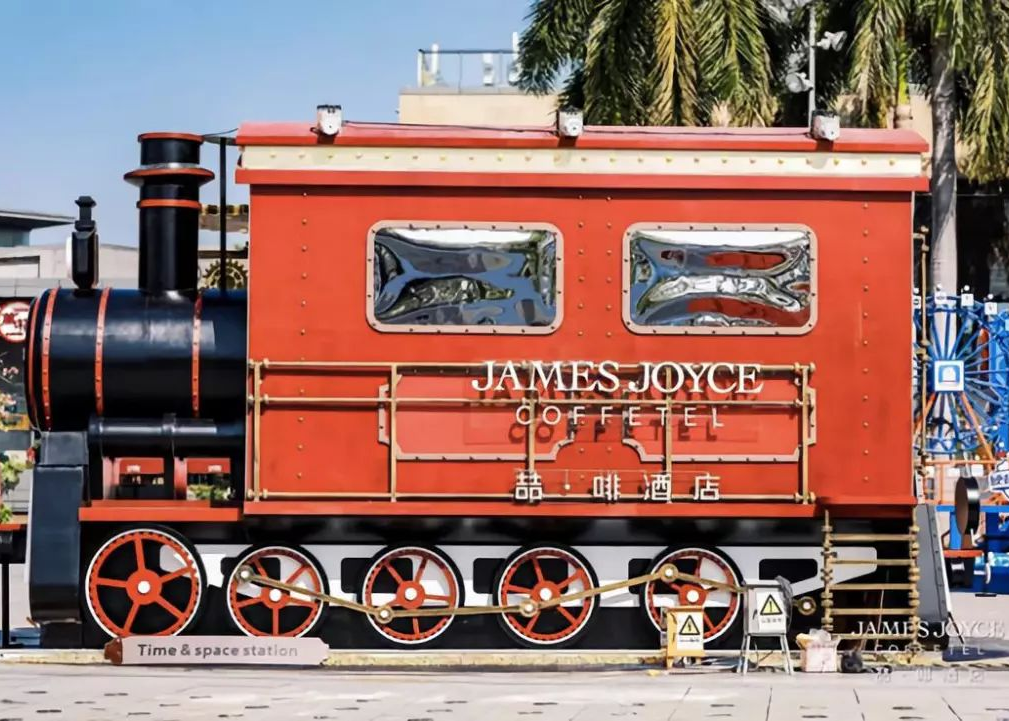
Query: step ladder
point(891, 620)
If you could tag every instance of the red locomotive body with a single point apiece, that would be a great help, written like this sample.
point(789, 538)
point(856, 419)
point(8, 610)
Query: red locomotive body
point(327, 365)
point(492, 370)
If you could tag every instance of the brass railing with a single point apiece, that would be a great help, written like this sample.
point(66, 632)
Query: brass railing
point(259, 402)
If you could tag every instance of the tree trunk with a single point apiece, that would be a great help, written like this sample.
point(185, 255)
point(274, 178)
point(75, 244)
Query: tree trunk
point(943, 183)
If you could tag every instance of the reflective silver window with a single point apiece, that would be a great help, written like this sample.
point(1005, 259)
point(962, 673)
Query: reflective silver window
point(707, 279)
point(472, 279)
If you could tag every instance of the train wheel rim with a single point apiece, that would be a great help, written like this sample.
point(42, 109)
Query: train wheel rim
point(720, 607)
point(144, 582)
point(263, 611)
point(408, 578)
point(540, 574)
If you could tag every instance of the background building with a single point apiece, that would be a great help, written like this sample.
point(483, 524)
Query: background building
point(472, 87)
point(20, 268)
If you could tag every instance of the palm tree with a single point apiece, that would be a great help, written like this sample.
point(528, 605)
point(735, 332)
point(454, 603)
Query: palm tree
point(640, 62)
point(958, 49)
point(653, 62)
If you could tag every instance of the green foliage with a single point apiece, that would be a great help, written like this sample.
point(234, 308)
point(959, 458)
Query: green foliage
point(894, 43)
point(985, 122)
point(618, 55)
point(878, 57)
point(648, 62)
point(10, 476)
point(695, 62)
point(674, 86)
point(217, 490)
point(734, 60)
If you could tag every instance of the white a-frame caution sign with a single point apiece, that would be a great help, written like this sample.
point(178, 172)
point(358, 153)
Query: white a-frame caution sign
point(766, 612)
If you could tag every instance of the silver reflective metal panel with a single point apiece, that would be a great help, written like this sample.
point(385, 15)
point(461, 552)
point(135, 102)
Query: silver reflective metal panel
point(465, 277)
point(728, 278)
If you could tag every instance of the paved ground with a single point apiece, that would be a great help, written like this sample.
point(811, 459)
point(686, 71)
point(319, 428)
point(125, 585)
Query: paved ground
point(34, 691)
point(80, 692)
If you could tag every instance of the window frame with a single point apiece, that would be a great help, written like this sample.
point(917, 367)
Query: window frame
point(719, 330)
point(378, 325)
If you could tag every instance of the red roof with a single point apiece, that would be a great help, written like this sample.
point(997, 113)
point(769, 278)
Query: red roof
point(852, 140)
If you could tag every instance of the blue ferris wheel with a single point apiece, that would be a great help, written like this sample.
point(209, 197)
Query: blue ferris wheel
point(965, 410)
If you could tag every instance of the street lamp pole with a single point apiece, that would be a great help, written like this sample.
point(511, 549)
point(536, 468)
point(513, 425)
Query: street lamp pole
point(786, 11)
point(812, 61)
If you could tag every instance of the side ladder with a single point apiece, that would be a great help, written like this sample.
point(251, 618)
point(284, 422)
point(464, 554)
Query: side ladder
point(887, 619)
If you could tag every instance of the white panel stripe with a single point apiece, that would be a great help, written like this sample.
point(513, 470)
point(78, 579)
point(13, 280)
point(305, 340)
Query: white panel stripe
point(610, 564)
point(591, 162)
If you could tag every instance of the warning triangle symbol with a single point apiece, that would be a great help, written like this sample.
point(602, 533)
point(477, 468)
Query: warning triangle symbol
point(689, 628)
point(770, 607)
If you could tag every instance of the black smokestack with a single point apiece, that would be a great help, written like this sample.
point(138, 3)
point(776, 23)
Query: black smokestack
point(169, 178)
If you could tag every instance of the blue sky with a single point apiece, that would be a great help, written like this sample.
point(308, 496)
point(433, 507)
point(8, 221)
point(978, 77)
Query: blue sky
point(80, 80)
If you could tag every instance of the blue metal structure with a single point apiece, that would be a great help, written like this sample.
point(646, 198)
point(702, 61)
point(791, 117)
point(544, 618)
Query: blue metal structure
point(988, 572)
point(966, 409)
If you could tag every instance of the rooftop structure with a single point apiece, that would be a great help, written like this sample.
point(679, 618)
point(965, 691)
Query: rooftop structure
point(472, 87)
point(15, 225)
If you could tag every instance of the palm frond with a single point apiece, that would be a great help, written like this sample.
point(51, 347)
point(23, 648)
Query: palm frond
point(553, 41)
point(572, 94)
point(674, 96)
point(876, 57)
point(616, 65)
point(734, 60)
point(985, 127)
point(961, 21)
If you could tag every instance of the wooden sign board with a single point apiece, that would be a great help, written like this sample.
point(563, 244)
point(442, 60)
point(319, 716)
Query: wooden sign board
point(216, 651)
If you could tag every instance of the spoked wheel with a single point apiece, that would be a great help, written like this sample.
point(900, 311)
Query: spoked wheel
point(144, 582)
point(543, 573)
point(263, 611)
point(408, 578)
point(721, 607)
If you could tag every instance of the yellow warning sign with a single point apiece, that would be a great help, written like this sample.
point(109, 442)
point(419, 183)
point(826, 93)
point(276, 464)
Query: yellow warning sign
point(689, 627)
point(686, 635)
point(770, 607)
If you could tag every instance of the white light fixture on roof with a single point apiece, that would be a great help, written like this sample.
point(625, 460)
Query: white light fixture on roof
point(488, 69)
point(434, 61)
point(832, 41)
point(514, 68)
point(570, 122)
point(825, 126)
point(328, 119)
point(798, 83)
point(783, 11)
point(793, 5)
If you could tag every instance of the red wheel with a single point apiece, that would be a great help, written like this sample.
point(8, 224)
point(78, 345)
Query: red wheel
point(409, 578)
point(543, 573)
point(264, 611)
point(144, 582)
point(721, 607)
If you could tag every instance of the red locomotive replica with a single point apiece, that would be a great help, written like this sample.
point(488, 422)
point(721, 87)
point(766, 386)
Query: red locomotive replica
point(486, 385)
